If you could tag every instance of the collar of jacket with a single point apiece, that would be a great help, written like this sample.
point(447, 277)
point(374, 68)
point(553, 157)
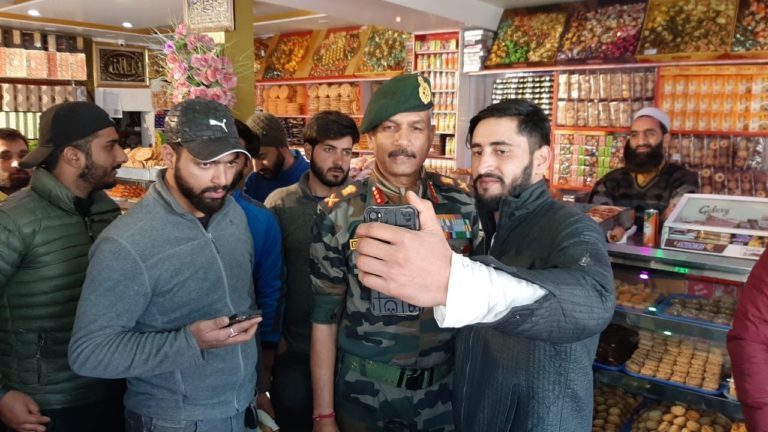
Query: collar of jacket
point(514, 206)
point(163, 194)
point(49, 188)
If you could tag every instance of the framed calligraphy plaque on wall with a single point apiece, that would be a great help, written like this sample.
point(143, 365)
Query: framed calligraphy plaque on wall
point(209, 15)
point(119, 66)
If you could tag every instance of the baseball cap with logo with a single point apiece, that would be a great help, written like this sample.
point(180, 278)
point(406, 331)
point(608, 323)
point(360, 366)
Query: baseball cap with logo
point(62, 125)
point(656, 113)
point(205, 128)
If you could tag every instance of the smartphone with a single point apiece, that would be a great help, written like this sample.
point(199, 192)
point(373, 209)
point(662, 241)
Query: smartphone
point(238, 318)
point(404, 215)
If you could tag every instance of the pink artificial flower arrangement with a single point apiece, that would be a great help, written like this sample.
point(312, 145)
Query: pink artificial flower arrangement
point(196, 68)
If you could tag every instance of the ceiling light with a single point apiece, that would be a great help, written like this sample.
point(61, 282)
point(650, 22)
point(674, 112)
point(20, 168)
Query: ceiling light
point(34, 12)
point(322, 21)
point(397, 18)
point(126, 24)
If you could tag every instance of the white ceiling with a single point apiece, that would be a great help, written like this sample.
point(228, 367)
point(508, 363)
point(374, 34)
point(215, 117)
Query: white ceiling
point(102, 19)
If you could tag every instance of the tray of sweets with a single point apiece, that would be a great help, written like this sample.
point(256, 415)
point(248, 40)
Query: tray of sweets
point(607, 32)
point(335, 52)
point(714, 312)
point(287, 56)
point(527, 36)
point(688, 26)
point(751, 33)
point(384, 51)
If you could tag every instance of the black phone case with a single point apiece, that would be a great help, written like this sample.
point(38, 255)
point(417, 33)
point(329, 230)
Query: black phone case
point(403, 215)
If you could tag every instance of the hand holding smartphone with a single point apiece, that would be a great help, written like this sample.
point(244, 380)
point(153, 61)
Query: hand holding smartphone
point(238, 318)
point(405, 216)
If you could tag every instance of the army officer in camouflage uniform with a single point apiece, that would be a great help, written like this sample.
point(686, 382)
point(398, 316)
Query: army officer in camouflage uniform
point(395, 364)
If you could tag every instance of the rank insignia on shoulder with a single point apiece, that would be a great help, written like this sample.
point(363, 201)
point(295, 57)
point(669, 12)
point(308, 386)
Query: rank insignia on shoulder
point(447, 180)
point(463, 186)
point(349, 190)
point(331, 201)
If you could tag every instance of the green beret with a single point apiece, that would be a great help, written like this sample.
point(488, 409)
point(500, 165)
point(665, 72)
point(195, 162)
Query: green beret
point(404, 93)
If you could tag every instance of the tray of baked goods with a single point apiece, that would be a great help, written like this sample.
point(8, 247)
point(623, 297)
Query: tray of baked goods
point(676, 416)
point(617, 343)
point(691, 364)
point(636, 297)
point(613, 408)
point(714, 312)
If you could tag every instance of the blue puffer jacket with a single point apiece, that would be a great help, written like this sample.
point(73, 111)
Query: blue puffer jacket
point(43, 259)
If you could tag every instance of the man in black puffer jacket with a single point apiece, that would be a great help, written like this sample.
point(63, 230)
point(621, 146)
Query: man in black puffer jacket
point(46, 231)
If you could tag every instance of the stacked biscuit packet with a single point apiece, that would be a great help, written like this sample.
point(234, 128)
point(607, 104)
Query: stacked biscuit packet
point(682, 361)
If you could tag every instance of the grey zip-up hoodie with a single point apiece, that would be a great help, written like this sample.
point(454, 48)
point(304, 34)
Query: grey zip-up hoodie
point(152, 273)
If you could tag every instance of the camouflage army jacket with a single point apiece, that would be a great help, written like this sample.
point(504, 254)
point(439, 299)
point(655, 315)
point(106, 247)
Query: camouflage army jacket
point(406, 341)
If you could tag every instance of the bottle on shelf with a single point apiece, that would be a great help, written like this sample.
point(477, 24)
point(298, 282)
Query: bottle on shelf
point(50, 53)
point(79, 65)
point(63, 62)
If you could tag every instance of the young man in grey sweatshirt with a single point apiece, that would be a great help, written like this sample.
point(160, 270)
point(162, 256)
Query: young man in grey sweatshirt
point(163, 281)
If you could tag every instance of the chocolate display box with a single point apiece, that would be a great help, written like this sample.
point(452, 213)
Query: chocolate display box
point(718, 225)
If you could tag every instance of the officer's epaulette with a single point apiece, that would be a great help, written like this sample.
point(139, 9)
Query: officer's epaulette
point(443, 181)
point(353, 189)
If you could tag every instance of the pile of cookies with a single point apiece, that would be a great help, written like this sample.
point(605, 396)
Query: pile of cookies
point(638, 296)
point(612, 408)
point(144, 157)
point(677, 418)
point(718, 310)
point(682, 361)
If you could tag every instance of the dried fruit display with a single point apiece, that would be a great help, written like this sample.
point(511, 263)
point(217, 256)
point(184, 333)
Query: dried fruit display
point(287, 56)
point(384, 51)
point(752, 26)
point(607, 32)
point(688, 26)
point(526, 37)
point(334, 53)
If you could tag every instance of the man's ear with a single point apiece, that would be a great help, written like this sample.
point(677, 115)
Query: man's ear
point(73, 157)
point(541, 160)
point(169, 155)
point(307, 151)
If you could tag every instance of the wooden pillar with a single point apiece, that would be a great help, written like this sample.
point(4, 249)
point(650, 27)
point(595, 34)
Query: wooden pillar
point(238, 47)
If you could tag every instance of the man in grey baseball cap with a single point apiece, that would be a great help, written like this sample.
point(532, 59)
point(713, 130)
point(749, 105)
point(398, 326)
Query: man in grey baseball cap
point(173, 272)
point(647, 180)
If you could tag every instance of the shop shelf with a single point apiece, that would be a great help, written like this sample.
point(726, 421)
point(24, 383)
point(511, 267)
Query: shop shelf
point(684, 263)
point(557, 129)
point(437, 52)
point(649, 321)
point(720, 133)
point(341, 79)
point(138, 174)
point(657, 390)
point(588, 66)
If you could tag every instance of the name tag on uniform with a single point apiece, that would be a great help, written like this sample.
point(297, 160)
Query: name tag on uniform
point(384, 305)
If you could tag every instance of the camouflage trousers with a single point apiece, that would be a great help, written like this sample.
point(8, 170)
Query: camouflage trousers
point(363, 405)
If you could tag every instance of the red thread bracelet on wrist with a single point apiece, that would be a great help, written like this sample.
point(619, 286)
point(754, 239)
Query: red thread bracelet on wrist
point(319, 417)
